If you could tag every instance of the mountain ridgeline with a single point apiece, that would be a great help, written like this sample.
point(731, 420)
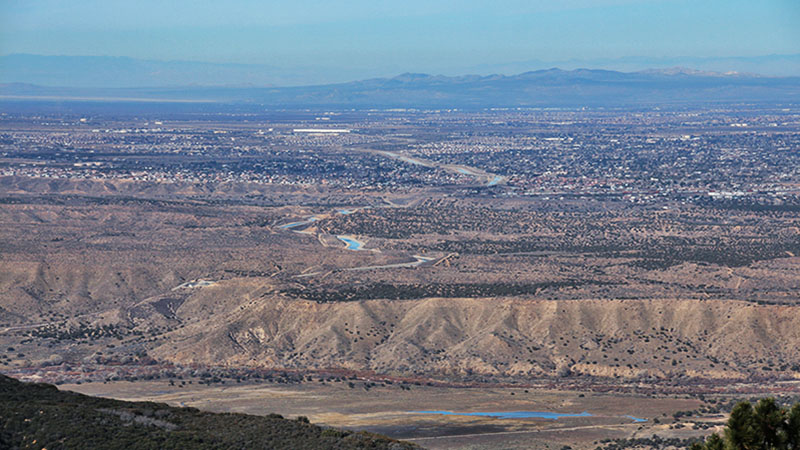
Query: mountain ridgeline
point(542, 88)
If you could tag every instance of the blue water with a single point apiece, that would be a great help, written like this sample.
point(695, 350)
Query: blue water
point(636, 419)
point(464, 171)
point(495, 180)
point(351, 244)
point(509, 414)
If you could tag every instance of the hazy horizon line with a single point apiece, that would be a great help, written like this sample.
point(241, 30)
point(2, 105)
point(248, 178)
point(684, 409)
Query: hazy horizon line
point(126, 72)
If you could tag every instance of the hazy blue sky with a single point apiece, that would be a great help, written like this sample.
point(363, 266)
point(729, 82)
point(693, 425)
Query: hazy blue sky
point(407, 35)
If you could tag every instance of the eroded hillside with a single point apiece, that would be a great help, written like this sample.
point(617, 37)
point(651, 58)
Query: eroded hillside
point(509, 337)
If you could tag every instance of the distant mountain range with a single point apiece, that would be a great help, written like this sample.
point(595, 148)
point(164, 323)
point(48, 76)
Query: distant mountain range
point(542, 88)
point(768, 65)
point(125, 72)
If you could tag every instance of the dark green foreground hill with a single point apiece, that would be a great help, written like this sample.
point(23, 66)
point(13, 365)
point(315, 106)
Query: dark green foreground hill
point(36, 416)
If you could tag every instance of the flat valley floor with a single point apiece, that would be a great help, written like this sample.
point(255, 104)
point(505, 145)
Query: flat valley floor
point(390, 410)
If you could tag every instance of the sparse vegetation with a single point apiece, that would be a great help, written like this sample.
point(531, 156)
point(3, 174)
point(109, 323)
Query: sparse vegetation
point(404, 292)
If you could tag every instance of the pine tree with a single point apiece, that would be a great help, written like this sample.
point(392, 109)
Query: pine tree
point(714, 442)
point(793, 428)
point(740, 433)
point(765, 427)
point(768, 424)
